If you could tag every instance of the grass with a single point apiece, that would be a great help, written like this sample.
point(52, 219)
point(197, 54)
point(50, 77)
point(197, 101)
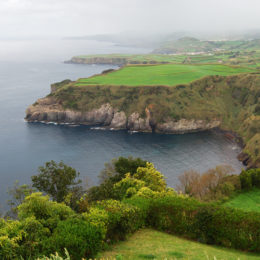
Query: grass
point(151, 244)
point(248, 201)
point(167, 74)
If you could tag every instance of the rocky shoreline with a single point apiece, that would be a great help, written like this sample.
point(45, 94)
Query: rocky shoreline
point(50, 110)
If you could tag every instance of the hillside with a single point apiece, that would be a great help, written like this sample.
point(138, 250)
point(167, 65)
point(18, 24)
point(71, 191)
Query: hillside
point(241, 57)
point(189, 44)
point(138, 102)
point(187, 50)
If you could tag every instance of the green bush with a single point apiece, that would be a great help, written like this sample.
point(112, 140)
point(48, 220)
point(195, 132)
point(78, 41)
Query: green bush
point(255, 177)
point(246, 180)
point(56, 256)
point(81, 238)
point(123, 219)
point(114, 172)
point(11, 234)
point(49, 213)
point(97, 217)
point(250, 178)
point(208, 223)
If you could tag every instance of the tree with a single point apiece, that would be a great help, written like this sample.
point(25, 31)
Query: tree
point(208, 185)
point(56, 180)
point(114, 172)
point(153, 179)
point(18, 194)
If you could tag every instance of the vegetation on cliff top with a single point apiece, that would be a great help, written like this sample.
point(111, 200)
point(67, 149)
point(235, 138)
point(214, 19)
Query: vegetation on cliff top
point(167, 74)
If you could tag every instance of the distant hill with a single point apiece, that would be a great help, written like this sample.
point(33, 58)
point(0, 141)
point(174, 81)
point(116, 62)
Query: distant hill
point(193, 45)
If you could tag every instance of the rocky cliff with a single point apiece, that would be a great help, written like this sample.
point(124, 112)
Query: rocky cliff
point(49, 110)
point(230, 103)
point(114, 60)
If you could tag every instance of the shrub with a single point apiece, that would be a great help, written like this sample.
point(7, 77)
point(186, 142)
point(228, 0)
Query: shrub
point(49, 213)
point(128, 186)
point(11, 235)
point(255, 177)
point(250, 178)
point(246, 180)
point(97, 217)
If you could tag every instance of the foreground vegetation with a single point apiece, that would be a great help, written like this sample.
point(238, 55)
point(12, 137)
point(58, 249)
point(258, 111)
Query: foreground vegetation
point(151, 244)
point(132, 195)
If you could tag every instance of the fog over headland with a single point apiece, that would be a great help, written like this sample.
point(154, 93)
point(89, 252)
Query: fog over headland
point(63, 18)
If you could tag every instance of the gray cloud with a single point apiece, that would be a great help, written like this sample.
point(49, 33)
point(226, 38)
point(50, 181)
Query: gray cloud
point(22, 18)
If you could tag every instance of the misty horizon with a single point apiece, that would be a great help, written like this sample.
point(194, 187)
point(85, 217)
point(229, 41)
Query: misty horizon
point(27, 19)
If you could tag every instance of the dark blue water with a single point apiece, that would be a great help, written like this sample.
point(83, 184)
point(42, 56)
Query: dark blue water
point(26, 146)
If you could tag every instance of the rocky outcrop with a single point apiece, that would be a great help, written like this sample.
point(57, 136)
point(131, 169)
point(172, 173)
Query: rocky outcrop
point(49, 110)
point(120, 61)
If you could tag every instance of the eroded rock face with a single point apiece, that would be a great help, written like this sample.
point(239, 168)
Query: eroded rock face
point(136, 123)
point(49, 110)
point(119, 121)
point(185, 126)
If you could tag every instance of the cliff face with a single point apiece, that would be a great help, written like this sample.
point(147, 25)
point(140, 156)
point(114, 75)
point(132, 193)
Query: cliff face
point(49, 110)
point(119, 61)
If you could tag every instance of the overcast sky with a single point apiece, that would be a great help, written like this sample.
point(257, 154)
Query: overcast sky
point(26, 18)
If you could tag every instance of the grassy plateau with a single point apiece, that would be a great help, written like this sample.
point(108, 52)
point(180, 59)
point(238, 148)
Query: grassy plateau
point(167, 74)
point(151, 244)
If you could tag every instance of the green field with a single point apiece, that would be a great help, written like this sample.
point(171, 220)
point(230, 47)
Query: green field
point(167, 74)
point(151, 244)
point(249, 201)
